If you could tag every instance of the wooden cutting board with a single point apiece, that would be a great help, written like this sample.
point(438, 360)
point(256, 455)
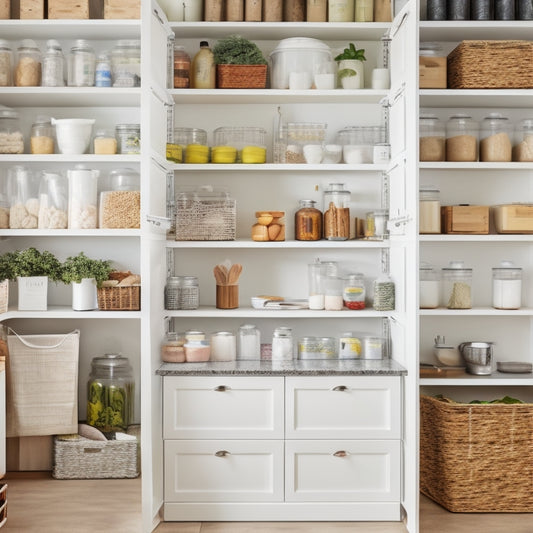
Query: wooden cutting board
point(434, 371)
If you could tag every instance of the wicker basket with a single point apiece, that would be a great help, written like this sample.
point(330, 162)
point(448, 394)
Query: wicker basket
point(491, 65)
point(126, 298)
point(241, 76)
point(81, 458)
point(477, 457)
point(4, 295)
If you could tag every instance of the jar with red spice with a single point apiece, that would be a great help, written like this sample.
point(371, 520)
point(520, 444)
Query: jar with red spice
point(354, 292)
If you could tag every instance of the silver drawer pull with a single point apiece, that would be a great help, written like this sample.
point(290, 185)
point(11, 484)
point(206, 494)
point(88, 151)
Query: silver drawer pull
point(222, 453)
point(222, 388)
point(340, 388)
point(341, 453)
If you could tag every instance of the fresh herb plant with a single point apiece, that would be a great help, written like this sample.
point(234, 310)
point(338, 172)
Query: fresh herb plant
point(352, 53)
point(236, 50)
point(78, 267)
point(30, 262)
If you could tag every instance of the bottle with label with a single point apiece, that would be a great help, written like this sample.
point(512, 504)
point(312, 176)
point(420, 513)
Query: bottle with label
point(203, 71)
point(53, 65)
point(103, 71)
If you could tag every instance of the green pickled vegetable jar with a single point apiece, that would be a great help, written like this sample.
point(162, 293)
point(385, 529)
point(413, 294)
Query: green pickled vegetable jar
point(110, 393)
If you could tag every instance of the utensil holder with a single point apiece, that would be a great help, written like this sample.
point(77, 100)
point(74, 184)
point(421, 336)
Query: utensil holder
point(227, 297)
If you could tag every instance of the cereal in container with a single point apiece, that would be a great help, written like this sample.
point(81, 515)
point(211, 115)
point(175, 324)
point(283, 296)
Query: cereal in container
point(28, 67)
point(120, 203)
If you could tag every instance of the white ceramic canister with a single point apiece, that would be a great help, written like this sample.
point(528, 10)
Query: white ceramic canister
point(506, 286)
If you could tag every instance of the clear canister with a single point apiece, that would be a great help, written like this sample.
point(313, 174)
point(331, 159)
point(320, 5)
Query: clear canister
point(316, 285)
point(333, 293)
point(308, 222)
point(4, 203)
point(82, 198)
point(29, 64)
point(239, 144)
point(317, 348)
point(81, 65)
point(6, 64)
point(42, 136)
point(53, 201)
point(11, 138)
point(506, 286)
point(172, 293)
point(249, 342)
point(189, 294)
point(22, 188)
point(182, 68)
point(350, 346)
point(354, 291)
point(193, 143)
point(172, 350)
point(429, 210)
point(429, 278)
point(432, 134)
point(457, 286)
point(110, 393)
point(223, 346)
point(358, 143)
point(495, 139)
point(282, 344)
point(373, 347)
point(105, 142)
point(53, 65)
point(462, 138)
point(128, 138)
point(523, 148)
point(384, 293)
point(336, 224)
point(376, 224)
point(126, 63)
point(120, 202)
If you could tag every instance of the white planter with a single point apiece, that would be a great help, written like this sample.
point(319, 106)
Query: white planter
point(84, 295)
point(32, 293)
point(352, 82)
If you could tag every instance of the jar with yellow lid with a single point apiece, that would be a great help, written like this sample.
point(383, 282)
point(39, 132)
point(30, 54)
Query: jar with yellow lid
point(189, 146)
point(239, 145)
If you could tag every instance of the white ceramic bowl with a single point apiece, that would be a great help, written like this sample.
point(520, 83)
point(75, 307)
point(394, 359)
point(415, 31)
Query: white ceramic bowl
point(73, 134)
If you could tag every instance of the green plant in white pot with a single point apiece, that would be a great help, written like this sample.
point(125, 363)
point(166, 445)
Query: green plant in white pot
point(85, 275)
point(351, 72)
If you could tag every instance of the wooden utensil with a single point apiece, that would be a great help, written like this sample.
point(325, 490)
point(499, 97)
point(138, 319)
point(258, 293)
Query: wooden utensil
point(220, 275)
point(234, 273)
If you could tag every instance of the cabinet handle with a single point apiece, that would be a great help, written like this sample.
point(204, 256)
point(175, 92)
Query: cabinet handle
point(222, 453)
point(340, 388)
point(222, 388)
point(341, 453)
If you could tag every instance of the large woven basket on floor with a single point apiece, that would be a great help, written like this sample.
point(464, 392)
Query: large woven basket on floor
point(241, 76)
point(477, 457)
point(491, 65)
point(127, 298)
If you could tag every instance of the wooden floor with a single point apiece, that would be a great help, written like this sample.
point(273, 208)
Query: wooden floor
point(38, 503)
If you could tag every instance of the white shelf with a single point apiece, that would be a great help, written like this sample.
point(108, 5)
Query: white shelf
point(70, 233)
point(477, 311)
point(495, 380)
point(448, 165)
point(248, 243)
point(457, 30)
point(67, 158)
point(477, 238)
point(70, 96)
point(272, 167)
point(501, 98)
point(58, 311)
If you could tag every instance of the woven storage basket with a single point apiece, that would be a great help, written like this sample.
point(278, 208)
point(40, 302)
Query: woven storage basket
point(126, 298)
point(491, 65)
point(4, 295)
point(81, 458)
point(477, 457)
point(241, 76)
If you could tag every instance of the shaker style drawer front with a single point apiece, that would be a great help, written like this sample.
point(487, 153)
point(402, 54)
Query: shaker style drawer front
point(343, 407)
point(223, 407)
point(367, 471)
point(223, 471)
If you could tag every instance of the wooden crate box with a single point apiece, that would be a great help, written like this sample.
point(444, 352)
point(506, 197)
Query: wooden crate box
point(122, 9)
point(68, 9)
point(28, 9)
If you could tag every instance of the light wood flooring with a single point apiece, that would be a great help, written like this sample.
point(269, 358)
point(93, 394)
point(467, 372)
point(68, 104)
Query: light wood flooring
point(38, 503)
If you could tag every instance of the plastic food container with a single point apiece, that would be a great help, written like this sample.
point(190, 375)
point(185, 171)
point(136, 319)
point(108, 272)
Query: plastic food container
point(28, 68)
point(126, 63)
point(128, 138)
point(42, 136)
point(350, 346)
point(239, 145)
point(305, 142)
point(82, 198)
point(429, 209)
point(523, 149)
point(429, 286)
point(358, 143)
point(506, 286)
point(24, 203)
point(120, 204)
point(73, 134)
point(197, 351)
point(295, 60)
point(172, 350)
point(6, 63)
point(461, 138)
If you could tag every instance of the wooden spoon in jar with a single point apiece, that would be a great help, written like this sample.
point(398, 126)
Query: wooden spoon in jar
point(234, 273)
point(220, 275)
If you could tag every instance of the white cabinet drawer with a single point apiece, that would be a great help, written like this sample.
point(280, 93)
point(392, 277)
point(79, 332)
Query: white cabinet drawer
point(223, 471)
point(344, 407)
point(223, 407)
point(364, 471)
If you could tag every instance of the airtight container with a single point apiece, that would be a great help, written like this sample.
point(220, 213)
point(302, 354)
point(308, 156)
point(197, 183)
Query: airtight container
point(506, 286)
point(239, 145)
point(296, 60)
point(495, 144)
point(120, 202)
point(429, 295)
point(457, 286)
point(193, 145)
point(523, 149)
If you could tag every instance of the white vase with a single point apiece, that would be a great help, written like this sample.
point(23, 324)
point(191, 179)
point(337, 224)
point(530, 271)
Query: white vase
point(32, 293)
point(84, 295)
point(352, 82)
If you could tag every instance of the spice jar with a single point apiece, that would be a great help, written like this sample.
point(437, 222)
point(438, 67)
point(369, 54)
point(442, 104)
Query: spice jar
point(457, 286)
point(120, 200)
point(354, 291)
point(110, 393)
point(223, 346)
point(506, 286)
point(432, 138)
point(461, 138)
point(172, 350)
point(523, 150)
point(128, 138)
point(6, 64)
point(428, 210)
point(105, 142)
point(249, 342)
point(282, 345)
point(336, 212)
point(81, 65)
point(28, 69)
point(333, 293)
point(308, 222)
point(436, 10)
point(126, 63)
point(458, 9)
point(341, 11)
point(429, 293)
point(22, 188)
point(495, 144)
point(11, 138)
point(53, 201)
point(42, 136)
point(384, 294)
point(53, 65)
point(182, 68)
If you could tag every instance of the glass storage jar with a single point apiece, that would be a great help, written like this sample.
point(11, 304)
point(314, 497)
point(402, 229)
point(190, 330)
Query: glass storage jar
point(432, 138)
point(126, 63)
point(128, 138)
point(172, 350)
point(53, 65)
point(189, 293)
point(358, 143)
point(182, 68)
point(110, 393)
point(6, 64)
point(429, 294)
point(506, 286)
point(81, 65)
point(172, 293)
point(376, 224)
point(249, 342)
point(11, 138)
point(102, 72)
point(350, 346)
point(495, 139)
point(429, 210)
point(82, 198)
point(193, 143)
point(523, 149)
point(223, 346)
point(305, 142)
point(336, 224)
point(239, 145)
point(317, 348)
point(374, 347)
point(29, 66)
point(282, 344)
point(308, 222)
point(384, 293)
point(457, 286)
point(354, 291)
point(53, 201)
point(42, 136)
point(23, 193)
point(104, 142)
point(4, 203)
point(120, 201)
point(333, 293)
point(461, 138)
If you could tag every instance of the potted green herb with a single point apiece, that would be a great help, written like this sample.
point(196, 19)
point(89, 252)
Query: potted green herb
point(240, 64)
point(85, 275)
point(351, 74)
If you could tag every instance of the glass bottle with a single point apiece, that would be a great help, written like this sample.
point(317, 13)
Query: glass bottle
point(461, 138)
point(506, 286)
point(308, 222)
point(354, 291)
point(457, 286)
point(28, 69)
point(182, 68)
point(42, 136)
point(432, 138)
point(429, 294)
point(110, 393)
point(53, 65)
point(384, 294)
point(203, 69)
point(249, 342)
point(81, 65)
point(495, 139)
point(282, 344)
point(336, 212)
point(102, 76)
point(429, 210)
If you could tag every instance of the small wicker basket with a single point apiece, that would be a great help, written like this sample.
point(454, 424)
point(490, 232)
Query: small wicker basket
point(477, 457)
point(491, 65)
point(127, 298)
point(241, 76)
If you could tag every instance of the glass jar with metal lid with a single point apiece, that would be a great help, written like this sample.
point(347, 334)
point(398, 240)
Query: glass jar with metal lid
point(249, 342)
point(126, 63)
point(457, 285)
point(495, 139)
point(11, 138)
point(506, 286)
point(128, 138)
point(120, 200)
point(432, 138)
point(53, 65)
point(308, 222)
point(81, 65)
point(6, 64)
point(42, 136)
point(282, 344)
point(110, 393)
point(336, 212)
point(28, 68)
point(461, 138)
point(429, 294)
point(523, 149)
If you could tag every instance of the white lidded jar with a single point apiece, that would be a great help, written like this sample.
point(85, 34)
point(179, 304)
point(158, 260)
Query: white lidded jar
point(457, 286)
point(249, 343)
point(429, 286)
point(429, 210)
point(282, 344)
point(223, 346)
point(506, 286)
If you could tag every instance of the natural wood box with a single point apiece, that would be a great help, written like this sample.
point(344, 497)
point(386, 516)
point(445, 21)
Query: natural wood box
point(469, 219)
point(27, 9)
point(432, 72)
point(513, 218)
point(122, 9)
point(68, 9)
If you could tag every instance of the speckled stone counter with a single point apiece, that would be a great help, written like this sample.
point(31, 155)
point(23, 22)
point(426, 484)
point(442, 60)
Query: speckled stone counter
point(361, 367)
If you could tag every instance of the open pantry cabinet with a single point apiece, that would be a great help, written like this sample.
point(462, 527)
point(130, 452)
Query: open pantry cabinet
point(281, 267)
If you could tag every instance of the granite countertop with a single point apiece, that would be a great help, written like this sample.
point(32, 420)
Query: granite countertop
point(349, 367)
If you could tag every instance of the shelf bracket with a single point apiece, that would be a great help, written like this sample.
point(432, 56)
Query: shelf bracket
point(385, 190)
point(386, 334)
